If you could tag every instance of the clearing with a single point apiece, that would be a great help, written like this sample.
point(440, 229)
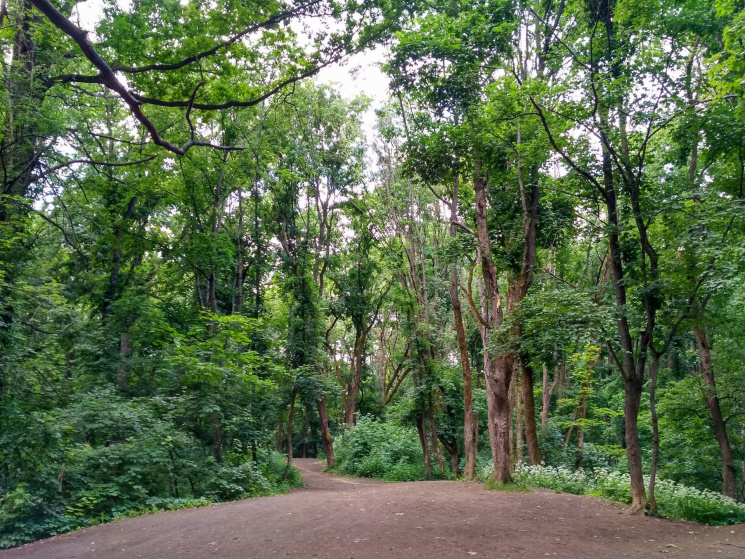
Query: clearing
point(348, 518)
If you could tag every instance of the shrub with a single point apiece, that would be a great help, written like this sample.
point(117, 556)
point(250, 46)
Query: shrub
point(674, 500)
point(228, 483)
point(380, 450)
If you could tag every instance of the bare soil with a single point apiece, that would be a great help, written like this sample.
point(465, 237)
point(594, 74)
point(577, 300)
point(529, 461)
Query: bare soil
point(350, 518)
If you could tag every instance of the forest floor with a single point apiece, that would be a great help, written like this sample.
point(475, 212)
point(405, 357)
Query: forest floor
point(351, 518)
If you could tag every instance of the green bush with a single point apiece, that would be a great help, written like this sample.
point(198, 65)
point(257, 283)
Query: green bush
point(674, 500)
point(380, 450)
point(228, 482)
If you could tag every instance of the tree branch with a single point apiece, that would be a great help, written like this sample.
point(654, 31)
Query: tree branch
point(108, 78)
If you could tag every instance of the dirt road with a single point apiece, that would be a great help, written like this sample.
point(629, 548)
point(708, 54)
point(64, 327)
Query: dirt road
point(344, 518)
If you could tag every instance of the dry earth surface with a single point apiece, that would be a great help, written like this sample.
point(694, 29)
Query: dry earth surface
point(349, 518)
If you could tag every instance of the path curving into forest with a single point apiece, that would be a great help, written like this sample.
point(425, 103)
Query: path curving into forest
point(351, 518)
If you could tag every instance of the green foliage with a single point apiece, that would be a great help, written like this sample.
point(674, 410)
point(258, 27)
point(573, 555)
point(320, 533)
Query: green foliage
point(381, 450)
point(674, 500)
point(492, 485)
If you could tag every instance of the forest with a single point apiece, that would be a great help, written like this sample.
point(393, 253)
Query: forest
point(524, 266)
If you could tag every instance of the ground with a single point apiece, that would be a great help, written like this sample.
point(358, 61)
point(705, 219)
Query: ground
point(350, 518)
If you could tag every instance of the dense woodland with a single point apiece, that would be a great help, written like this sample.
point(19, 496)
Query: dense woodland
point(209, 258)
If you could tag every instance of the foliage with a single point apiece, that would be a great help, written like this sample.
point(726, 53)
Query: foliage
point(382, 450)
point(674, 500)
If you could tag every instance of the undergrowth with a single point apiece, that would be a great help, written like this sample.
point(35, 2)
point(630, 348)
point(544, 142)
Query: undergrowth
point(381, 450)
point(27, 516)
point(674, 500)
point(492, 485)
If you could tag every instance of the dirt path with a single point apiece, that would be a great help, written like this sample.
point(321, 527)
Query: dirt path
point(345, 518)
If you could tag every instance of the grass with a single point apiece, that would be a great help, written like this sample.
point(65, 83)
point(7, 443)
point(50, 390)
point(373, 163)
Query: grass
point(492, 485)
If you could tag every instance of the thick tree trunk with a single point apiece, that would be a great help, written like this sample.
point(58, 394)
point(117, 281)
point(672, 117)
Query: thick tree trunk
point(328, 441)
point(654, 367)
point(497, 372)
point(720, 427)
point(632, 401)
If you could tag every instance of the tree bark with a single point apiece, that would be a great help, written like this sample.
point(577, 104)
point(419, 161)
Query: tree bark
point(290, 419)
point(328, 441)
point(497, 373)
point(632, 401)
point(654, 367)
point(633, 377)
point(546, 397)
point(528, 400)
point(433, 436)
point(712, 400)
point(358, 361)
point(306, 425)
point(582, 415)
point(469, 469)
point(420, 427)
point(519, 427)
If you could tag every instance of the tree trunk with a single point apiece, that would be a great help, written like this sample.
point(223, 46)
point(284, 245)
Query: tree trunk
point(528, 399)
point(328, 441)
point(632, 370)
point(216, 437)
point(519, 427)
point(632, 401)
point(547, 393)
point(452, 448)
point(513, 392)
point(582, 415)
point(469, 469)
point(354, 386)
point(712, 400)
point(420, 427)
point(280, 436)
point(290, 419)
point(306, 424)
point(433, 436)
point(125, 349)
point(20, 140)
point(654, 366)
point(497, 373)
